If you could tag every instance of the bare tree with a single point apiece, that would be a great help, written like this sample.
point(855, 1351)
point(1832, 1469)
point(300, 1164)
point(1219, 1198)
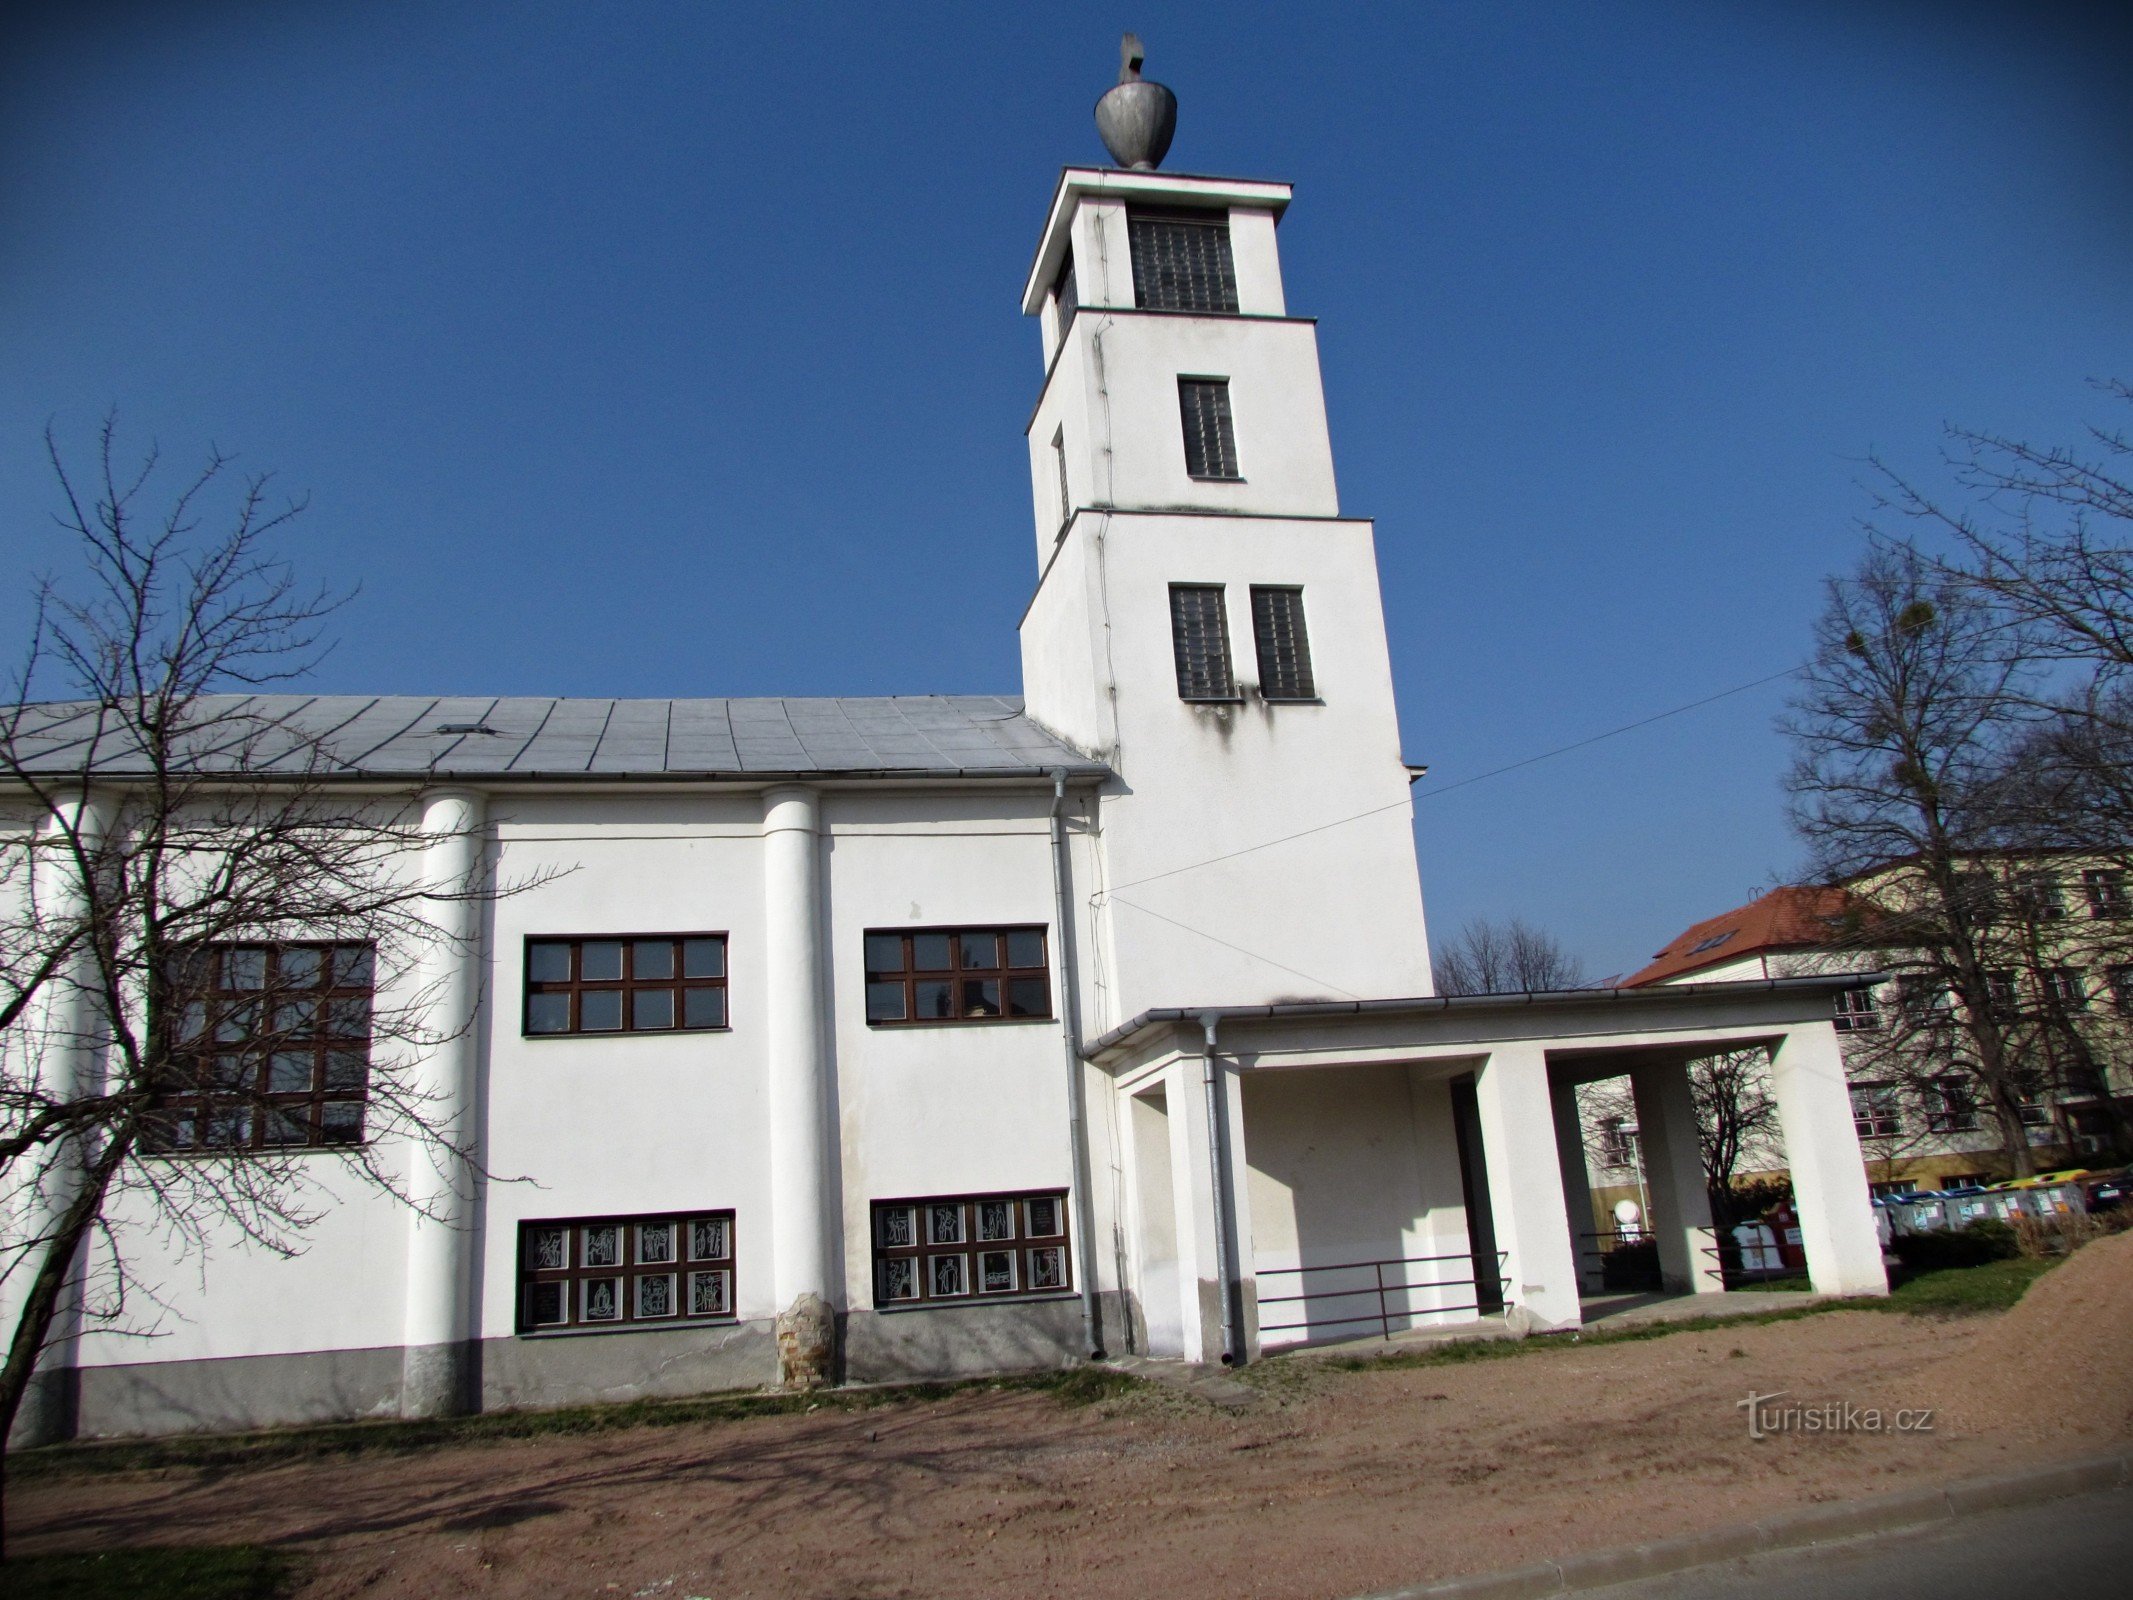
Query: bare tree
point(1510, 957)
point(213, 952)
point(1902, 726)
point(1736, 1123)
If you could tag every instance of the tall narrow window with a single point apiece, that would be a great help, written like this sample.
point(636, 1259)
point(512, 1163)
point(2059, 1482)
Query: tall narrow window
point(1284, 647)
point(1067, 293)
point(1210, 439)
point(1199, 633)
point(1181, 260)
point(1066, 498)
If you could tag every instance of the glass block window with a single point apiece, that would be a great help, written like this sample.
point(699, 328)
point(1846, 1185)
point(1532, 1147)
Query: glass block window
point(943, 975)
point(1210, 435)
point(271, 1046)
point(1284, 646)
point(1068, 293)
point(1199, 637)
point(626, 983)
point(584, 1273)
point(1181, 260)
point(1059, 469)
point(967, 1249)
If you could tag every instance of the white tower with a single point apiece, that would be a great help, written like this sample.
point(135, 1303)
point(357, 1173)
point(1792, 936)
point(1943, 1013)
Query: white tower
point(1205, 617)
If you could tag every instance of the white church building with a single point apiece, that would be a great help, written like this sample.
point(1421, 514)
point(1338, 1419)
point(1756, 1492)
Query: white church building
point(860, 1040)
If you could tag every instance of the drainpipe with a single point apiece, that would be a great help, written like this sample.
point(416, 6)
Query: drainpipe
point(1218, 1168)
point(1092, 1338)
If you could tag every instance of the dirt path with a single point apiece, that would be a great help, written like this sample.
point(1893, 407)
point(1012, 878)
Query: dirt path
point(1340, 1483)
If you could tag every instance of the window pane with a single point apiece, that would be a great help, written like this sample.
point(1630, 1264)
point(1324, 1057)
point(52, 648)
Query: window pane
point(603, 1245)
point(652, 958)
point(897, 1227)
point(348, 1017)
point(899, 1279)
point(944, 1224)
point(600, 960)
point(1199, 637)
point(996, 1272)
point(708, 1239)
point(1026, 998)
point(655, 1295)
point(651, 1008)
point(233, 1072)
point(1025, 948)
point(929, 952)
point(244, 969)
point(980, 950)
point(239, 1022)
point(600, 1010)
point(227, 1127)
point(1181, 263)
point(703, 1008)
point(1047, 1268)
point(603, 1300)
point(299, 1016)
point(885, 952)
point(703, 958)
point(996, 1219)
point(1284, 647)
point(285, 1127)
point(289, 1072)
point(936, 999)
point(548, 1248)
point(948, 1276)
point(548, 963)
point(346, 1069)
point(710, 1294)
point(885, 1002)
point(302, 966)
point(548, 1013)
point(1043, 1217)
point(544, 1304)
point(981, 997)
point(353, 966)
point(1210, 436)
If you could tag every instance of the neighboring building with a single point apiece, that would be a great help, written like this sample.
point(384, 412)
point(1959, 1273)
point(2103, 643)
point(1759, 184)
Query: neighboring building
point(894, 1038)
point(2059, 920)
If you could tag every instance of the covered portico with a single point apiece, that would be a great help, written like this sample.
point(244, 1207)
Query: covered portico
point(1312, 1171)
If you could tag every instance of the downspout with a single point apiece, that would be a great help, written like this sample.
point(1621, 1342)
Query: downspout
point(1218, 1168)
point(1092, 1338)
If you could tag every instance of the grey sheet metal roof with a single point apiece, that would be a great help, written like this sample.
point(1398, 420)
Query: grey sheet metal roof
point(372, 736)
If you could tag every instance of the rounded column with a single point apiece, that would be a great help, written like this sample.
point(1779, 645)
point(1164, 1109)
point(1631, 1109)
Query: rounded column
point(798, 1062)
point(436, 1369)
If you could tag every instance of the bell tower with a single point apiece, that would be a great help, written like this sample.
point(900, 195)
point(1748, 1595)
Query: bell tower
point(1206, 619)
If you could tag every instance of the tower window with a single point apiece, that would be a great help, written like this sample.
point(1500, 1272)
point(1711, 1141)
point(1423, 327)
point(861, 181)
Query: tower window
point(1068, 295)
point(1210, 439)
point(1199, 633)
point(1284, 646)
point(1066, 497)
point(1181, 260)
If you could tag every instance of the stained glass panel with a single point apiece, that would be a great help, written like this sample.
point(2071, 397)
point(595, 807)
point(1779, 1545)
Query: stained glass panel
point(603, 1245)
point(710, 1294)
point(544, 1304)
point(899, 1278)
point(948, 1276)
point(548, 1248)
point(996, 1272)
point(655, 1295)
point(602, 1299)
point(944, 1224)
point(899, 1227)
point(655, 1243)
point(1043, 1217)
point(709, 1239)
point(1047, 1268)
point(996, 1219)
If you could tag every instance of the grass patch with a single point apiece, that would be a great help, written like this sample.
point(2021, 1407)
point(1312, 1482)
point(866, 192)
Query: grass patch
point(204, 1572)
point(1949, 1291)
point(1073, 1386)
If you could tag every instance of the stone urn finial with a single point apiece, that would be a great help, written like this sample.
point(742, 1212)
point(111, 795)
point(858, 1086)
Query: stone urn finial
point(1135, 117)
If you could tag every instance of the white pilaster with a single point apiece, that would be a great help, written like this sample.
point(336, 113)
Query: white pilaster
point(60, 1035)
point(797, 1051)
point(1828, 1175)
point(1526, 1188)
point(1673, 1172)
point(435, 1372)
point(1577, 1184)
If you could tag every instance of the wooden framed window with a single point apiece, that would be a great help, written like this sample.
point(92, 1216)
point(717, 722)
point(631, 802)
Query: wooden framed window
point(1951, 1106)
point(1199, 638)
point(581, 1274)
point(2105, 890)
point(2066, 989)
point(970, 1249)
point(626, 983)
point(1210, 434)
point(271, 1046)
point(1856, 1012)
point(1284, 645)
point(930, 976)
point(1877, 1111)
point(1181, 260)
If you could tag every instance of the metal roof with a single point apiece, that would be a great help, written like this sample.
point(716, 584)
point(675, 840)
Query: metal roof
point(393, 736)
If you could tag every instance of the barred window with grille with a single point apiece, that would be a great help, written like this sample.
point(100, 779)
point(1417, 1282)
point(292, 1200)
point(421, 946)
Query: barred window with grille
point(1199, 632)
point(1284, 646)
point(1181, 260)
point(1210, 438)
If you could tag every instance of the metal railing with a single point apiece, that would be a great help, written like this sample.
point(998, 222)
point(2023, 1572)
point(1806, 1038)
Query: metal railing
point(1381, 1288)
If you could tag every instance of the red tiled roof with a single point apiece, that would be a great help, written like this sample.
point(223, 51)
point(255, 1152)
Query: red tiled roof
point(1789, 918)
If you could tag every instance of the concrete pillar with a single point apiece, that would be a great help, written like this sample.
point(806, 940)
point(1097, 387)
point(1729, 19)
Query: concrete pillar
point(1195, 1214)
point(61, 1033)
point(1577, 1183)
point(436, 1366)
point(1526, 1189)
point(1673, 1173)
point(1814, 1106)
point(796, 1035)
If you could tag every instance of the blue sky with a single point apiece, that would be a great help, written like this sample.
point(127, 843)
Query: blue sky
point(674, 348)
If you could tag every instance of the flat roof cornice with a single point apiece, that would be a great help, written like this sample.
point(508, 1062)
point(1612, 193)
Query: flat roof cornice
point(1657, 999)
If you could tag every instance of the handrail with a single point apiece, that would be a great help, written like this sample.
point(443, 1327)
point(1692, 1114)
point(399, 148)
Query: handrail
point(1380, 1287)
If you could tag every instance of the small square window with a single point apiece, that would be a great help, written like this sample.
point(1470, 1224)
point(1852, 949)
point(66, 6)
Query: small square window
point(548, 963)
point(1047, 1268)
point(641, 984)
point(651, 959)
point(603, 1245)
point(655, 1243)
point(600, 961)
point(954, 1249)
point(710, 1294)
point(544, 1304)
point(600, 1300)
point(651, 1008)
point(947, 1276)
point(944, 1224)
point(599, 1010)
point(626, 1271)
point(703, 958)
point(956, 975)
point(996, 1272)
point(703, 1008)
point(710, 1239)
point(655, 1295)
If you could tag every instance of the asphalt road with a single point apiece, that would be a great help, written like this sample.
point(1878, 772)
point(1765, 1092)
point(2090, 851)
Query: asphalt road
point(2062, 1550)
